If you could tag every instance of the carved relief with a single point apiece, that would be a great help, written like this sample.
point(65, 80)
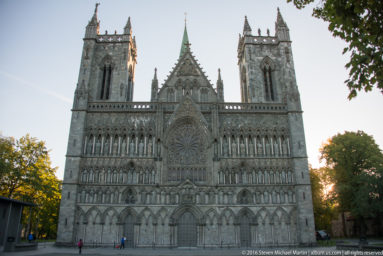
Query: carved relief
point(186, 145)
point(187, 69)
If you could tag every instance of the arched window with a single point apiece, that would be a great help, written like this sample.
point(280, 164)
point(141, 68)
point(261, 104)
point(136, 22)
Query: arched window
point(267, 69)
point(106, 78)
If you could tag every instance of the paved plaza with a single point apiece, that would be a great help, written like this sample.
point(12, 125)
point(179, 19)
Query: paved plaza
point(49, 249)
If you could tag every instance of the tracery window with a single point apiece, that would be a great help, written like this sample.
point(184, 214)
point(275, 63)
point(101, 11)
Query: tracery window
point(267, 69)
point(106, 81)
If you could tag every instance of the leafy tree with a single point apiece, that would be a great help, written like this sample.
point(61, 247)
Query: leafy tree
point(356, 164)
point(26, 174)
point(360, 24)
point(324, 207)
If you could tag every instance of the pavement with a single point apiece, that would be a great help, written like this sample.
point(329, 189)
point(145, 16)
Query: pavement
point(48, 249)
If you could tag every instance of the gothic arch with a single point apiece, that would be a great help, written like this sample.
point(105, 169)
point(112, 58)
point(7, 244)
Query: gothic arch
point(179, 211)
point(246, 211)
point(262, 215)
point(90, 211)
point(210, 215)
point(109, 209)
point(127, 211)
point(145, 215)
point(245, 197)
point(268, 63)
point(227, 214)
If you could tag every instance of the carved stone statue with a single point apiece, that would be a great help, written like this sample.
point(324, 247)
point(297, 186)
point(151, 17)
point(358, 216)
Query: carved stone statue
point(242, 149)
point(233, 148)
point(150, 148)
point(131, 148)
point(141, 148)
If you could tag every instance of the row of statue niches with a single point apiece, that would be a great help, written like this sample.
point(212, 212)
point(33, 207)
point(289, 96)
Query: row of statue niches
point(100, 196)
point(255, 147)
point(233, 176)
point(132, 176)
point(109, 146)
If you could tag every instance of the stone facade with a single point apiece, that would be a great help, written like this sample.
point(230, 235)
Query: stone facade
point(186, 168)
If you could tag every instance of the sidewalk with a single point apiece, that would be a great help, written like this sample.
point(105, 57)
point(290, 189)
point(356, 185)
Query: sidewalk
point(50, 250)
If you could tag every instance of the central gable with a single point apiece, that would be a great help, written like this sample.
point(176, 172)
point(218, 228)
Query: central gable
point(187, 79)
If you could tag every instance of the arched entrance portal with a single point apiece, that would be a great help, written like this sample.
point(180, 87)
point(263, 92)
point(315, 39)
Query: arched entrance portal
point(129, 231)
point(245, 234)
point(187, 230)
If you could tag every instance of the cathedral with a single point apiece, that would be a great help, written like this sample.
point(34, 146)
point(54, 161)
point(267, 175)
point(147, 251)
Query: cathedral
point(186, 169)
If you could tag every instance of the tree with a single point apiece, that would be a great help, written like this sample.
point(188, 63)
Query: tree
point(323, 205)
point(26, 174)
point(360, 24)
point(356, 164)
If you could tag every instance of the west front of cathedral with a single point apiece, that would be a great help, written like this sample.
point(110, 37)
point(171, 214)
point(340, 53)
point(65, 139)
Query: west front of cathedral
point(186, 169)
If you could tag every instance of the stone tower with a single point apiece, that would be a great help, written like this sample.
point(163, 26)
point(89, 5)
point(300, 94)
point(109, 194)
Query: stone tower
point(267, 75)
point(186, 168)
point(106, 75)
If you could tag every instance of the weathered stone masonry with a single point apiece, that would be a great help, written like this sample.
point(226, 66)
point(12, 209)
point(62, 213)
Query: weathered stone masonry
point(186, 168)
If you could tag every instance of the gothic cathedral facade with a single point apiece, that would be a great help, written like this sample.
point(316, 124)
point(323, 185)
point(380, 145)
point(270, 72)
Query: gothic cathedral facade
point(187, 169)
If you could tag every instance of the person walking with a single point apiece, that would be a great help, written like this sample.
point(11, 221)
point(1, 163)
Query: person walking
point(122, 245)
point(80, 244)
point(30, 237)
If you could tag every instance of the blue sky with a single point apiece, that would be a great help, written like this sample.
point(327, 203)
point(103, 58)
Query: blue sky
point(41, 44)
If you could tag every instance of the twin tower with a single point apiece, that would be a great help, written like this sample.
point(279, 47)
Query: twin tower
point(186, 169)
point(265, 64)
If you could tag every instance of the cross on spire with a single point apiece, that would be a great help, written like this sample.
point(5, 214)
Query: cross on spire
point(185, 17)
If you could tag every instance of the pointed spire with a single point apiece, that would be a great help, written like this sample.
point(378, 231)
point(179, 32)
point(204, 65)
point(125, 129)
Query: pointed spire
point(128, 27)
point(220, 87)
point(154, 86)
point(185, 42)
point(93, 27)
point(280, 20)
point(281, 29)
point(155, 74)
point(246, 27)
point(94, 21)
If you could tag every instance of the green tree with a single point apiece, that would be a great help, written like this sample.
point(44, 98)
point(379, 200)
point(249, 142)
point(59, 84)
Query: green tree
point(323, 205)
point(26, 174)
point(360, 24)
point(356, 164)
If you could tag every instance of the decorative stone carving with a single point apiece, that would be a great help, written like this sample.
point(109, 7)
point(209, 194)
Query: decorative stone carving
point(186, 145)
point(187, 69)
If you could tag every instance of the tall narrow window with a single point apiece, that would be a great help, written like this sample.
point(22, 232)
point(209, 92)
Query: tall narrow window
point(268, 81)
point(267, 69)
point(105, 82)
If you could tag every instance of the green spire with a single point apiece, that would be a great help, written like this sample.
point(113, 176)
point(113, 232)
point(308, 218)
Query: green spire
point(185, 42)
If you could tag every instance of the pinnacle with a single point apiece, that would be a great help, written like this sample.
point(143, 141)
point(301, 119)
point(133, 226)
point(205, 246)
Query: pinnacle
point(185, 45)
point(280, 21)
point(246, 27)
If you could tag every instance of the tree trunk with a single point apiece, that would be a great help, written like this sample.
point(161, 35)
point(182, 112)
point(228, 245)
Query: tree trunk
point(344, 225)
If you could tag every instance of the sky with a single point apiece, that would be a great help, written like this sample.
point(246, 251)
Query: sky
point(41, 45)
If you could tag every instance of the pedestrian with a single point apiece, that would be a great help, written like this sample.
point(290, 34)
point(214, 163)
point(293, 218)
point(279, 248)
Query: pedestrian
point(122, 245)
point(30, 237)
point(80, 244)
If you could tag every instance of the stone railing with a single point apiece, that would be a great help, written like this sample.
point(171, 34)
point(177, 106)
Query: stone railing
point(121, 106)
point(171, 106)
point(113, 38)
